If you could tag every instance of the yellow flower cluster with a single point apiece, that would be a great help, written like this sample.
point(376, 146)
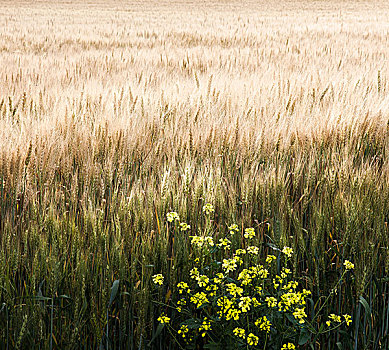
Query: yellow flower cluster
point(270, 258)
point(348, 264)
point(238, 289)
point(332, 318)
point(202, 280)
point(199, 299)
point(290, 299)
point(205, 326)
point(182, 286)
point(253, 250)
point(244, 304)
point(239, 332)
point(183, 330)
point(227, 309)
point(300, 314)
point(172, 216)
point(347, 318)
point(271, 301)
point(163, 319)
point(335, 318)
point(224, 243)
point(287, 251)
point(219, 278)
point(252, 339)
point(233, 229)
point(240, 252)
point(208, 208)
point(229, 265)
point(263, 324)
point(158, 279)
point(247, 275)
point(234, 290)
point(249, 233)
point(184, 226)
point(200, 241)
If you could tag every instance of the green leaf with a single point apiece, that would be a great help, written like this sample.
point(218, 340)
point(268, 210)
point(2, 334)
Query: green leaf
point(305, 335)
point(193, 324)
point(63, 296)
point(114, 291)
point(291, 318)
point(41, 298)
point(365, 305)
point(212, 346)
point(157, 332)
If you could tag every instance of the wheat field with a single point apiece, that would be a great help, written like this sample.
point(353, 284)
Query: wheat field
point(112, 113)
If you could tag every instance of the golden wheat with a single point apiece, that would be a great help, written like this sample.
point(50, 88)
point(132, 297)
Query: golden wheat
point(161, 71)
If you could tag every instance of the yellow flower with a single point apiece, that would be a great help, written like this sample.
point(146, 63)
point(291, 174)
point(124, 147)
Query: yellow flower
point(253, 250)
point(219, 278)
point(252, 339)
point(245, 277)
point(233, 313)
point(224, 243)
point(287, 251)
point(183, 330)
point(209, 241)
point(163, 319)
point(288, 346)
point(335, 318)
point(245, 303)
point(290, 285)
point(194, 273)
point(271, 301)
point(249, 233)
point(202, 280)
point(239, 332)
point(172, 216)
point(205, 326)
point(299, 314)
point(348, 319)
point(229, 265)
point(234, 290)
point(233, 229)
point(227, 309)
point(182, 286)
point(197, 241)
point(270, 258)
point(184, 226)
point(199, 299)
point(263, 324)
point(208, 208)
point(158, 279)
point(263, 273)
point(348, 264)
point(238, 259)
point(211, 289)
point(240, 252)
point(200, 241)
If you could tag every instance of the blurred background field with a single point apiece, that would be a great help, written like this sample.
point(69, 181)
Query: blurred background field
point(114, 113)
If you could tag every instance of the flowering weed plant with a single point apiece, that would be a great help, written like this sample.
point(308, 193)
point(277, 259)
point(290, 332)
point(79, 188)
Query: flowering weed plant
point(233, 298)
